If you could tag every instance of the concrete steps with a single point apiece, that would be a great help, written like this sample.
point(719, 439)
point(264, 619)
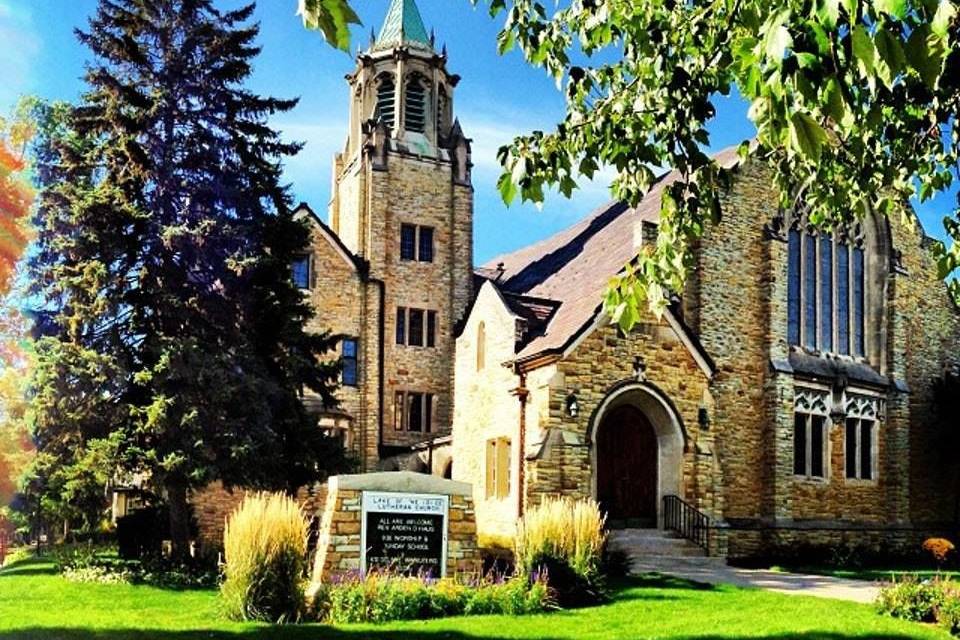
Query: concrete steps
point(642, 544)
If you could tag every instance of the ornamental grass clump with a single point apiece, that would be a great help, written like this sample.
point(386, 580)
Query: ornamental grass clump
point(265, 548)
point(940, 548)
point(564, 538)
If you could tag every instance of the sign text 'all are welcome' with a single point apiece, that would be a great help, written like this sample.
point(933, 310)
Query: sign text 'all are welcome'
point(404, 532)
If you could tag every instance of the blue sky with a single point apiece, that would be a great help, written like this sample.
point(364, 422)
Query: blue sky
point(499, 97)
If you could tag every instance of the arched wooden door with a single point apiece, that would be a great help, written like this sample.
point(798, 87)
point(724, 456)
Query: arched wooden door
point(627, 460)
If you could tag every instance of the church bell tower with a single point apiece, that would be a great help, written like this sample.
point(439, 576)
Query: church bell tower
point(402, 203)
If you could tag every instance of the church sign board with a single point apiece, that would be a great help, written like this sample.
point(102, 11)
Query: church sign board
point(404, 532)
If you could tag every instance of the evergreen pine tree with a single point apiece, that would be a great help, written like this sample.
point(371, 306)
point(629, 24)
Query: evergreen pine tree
point(177, 341)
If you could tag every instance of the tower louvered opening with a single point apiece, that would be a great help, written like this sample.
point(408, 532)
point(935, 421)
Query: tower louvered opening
point(386, 102)
point(415, 116)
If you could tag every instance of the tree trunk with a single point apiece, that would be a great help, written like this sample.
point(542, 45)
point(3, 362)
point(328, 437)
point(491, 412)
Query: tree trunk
point(179, 520)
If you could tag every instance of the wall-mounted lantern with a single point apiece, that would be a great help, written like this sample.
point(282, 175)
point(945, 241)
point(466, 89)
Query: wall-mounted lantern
point(703, 418)
point(573, 405)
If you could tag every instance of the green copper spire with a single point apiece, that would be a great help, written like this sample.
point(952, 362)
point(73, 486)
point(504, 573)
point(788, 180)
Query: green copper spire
point(403, 26)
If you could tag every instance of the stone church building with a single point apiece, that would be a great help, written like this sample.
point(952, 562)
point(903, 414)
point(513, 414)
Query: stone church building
point(785, 396)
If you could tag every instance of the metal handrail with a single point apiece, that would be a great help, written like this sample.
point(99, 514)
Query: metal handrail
point(688, 521)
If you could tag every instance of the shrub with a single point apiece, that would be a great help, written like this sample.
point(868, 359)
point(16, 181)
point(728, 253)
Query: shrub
point(564, 539)
point(940, 548)
point(948, 613)
point(911, 599)
point(102, 565)
point(384, 597)
point(265, 548)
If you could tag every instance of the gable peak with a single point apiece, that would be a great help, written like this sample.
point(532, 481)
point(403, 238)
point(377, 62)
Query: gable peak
point(403, 26)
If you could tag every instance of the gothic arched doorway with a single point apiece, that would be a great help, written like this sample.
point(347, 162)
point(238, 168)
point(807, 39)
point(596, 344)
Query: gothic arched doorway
point(636, 454)
point(627, 470)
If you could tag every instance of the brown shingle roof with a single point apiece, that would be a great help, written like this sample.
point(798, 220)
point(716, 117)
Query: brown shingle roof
point(574, 266)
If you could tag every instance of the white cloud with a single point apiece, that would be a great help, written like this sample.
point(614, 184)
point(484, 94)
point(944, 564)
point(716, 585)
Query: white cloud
point(309, 171)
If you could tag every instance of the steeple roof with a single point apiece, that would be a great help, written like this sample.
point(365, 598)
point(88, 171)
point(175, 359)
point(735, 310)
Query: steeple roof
point(403, 26)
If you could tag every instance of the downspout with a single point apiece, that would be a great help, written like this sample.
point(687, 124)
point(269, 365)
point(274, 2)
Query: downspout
point(522, 393)
point(381, 374)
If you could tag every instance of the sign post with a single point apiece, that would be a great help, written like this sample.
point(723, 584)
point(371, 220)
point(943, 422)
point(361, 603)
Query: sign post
point(404, 532)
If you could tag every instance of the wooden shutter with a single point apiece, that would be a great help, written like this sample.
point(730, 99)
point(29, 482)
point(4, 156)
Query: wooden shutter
point(503, 468)
point(491, 468)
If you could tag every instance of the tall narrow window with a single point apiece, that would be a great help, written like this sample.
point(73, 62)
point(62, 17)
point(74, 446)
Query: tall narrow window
point(441, 113)
point(860, 436)
point(415, 339)
point(348, 358)
point(401, 325)
point(810, 433)
point(810, 292)
point(431, 328)
point(408, 242)
point(415, 411)
point(843, 301)
point(481, 346)
point(399, 411)
point(386, 102)
point(826, 289)
point(301, 272)
point(425, 248)
point(858, 302)
point(415, 115)
point(826, 293)
point(793, 288)
point(427, 412)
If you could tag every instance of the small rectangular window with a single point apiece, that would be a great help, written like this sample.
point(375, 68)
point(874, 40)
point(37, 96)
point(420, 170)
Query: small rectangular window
point(301, 272)
point(427, 412)
point(800, 444)
point(414, 411)
point(399, 412)
point(401, 325)
point(408, 242)
point(415, 337)
point(850, 448)
point(426, 244)
point(816, 446)
point(348, 358)
point(866, 449)
point(431, 328)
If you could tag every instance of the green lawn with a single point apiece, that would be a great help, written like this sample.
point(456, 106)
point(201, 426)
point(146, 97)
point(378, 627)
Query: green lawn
point(36, 603)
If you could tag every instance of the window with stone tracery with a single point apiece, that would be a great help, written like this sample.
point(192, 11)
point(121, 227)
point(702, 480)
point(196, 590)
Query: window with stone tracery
point(860, 437)
point(827, 288)
point(811, 420)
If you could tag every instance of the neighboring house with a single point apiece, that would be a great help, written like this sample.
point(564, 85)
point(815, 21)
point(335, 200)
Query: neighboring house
point(785, 395)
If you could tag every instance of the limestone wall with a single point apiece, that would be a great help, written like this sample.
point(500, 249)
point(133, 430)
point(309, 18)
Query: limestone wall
point(486, 408)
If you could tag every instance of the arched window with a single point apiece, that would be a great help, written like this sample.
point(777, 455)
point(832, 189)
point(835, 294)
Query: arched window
point(481, 346)
point(415, 108)
point(826, 292)
point(386, 101)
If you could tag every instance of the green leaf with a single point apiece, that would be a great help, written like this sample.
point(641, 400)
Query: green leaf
point(891, 59)
point(332, 18)
point(834, 104)
point(945, 14)
point(508, 190)
point(828, 12)
point(777, 42)
point(925, 54)
point(896, 8)
point(864, 51)
point(807, 137)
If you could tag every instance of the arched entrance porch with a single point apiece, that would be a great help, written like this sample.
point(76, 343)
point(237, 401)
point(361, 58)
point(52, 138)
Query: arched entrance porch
point(637, 443)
